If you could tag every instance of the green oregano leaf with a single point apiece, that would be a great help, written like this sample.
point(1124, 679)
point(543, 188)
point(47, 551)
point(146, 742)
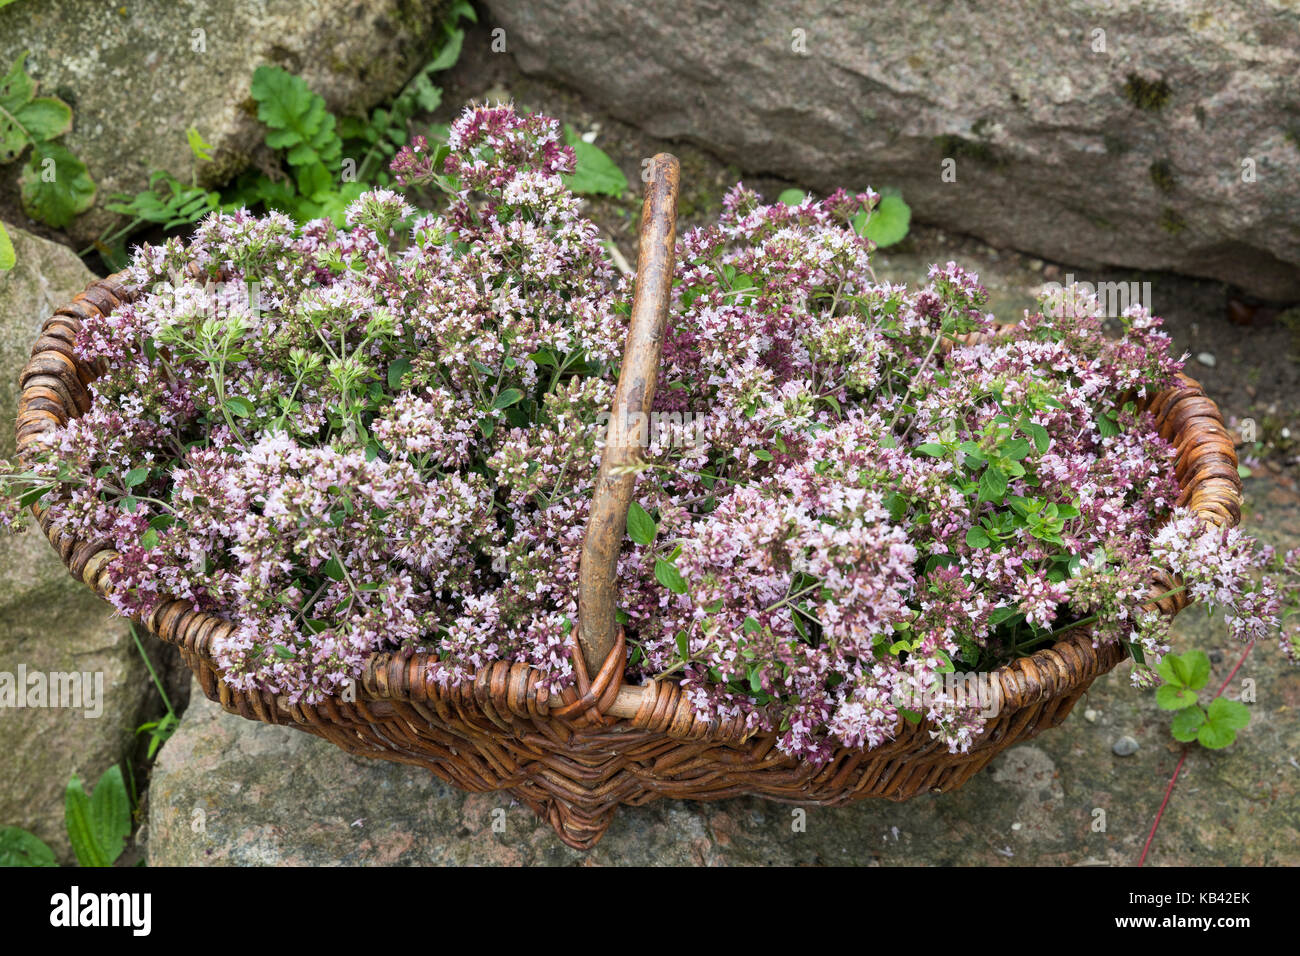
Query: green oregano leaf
point(507, 398)
point(668, 575)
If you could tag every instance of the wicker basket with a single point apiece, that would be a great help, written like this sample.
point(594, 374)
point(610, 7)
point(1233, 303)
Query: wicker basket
point(574, 758)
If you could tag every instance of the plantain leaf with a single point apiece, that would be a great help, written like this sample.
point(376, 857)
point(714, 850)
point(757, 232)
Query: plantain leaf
point(98, 825)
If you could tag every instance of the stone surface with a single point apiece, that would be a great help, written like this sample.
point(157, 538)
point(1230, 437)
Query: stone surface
point(1132, 155)
point(138, 75)
point(48, 621)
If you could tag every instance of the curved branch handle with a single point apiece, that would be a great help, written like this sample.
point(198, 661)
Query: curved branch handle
point(597, 588)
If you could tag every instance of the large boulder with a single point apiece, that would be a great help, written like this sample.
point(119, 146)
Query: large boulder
point(1159, 135)
point(138, 75)
point(49, 622)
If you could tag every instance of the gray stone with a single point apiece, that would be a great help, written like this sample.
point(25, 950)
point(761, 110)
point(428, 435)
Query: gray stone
point(48, 621)
point(1177, 147)
point(137, 75)
point(1126, 746)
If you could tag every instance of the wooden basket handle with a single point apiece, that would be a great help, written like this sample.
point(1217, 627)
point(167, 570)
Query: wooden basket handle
point(597, 577)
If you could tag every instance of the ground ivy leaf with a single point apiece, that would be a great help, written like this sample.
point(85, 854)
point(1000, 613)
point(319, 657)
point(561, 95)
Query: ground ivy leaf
point(888, 223)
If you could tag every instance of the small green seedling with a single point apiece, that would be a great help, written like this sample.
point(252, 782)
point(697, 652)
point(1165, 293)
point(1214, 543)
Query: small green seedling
point(1214, 726)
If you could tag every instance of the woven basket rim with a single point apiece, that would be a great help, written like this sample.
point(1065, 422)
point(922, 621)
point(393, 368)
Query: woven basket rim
point(55, 388)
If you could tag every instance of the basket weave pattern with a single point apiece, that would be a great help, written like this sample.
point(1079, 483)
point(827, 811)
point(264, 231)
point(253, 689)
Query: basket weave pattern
point(568, 757)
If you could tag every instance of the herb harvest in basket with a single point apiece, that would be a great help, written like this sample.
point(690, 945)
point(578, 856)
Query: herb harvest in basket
point(383, 439)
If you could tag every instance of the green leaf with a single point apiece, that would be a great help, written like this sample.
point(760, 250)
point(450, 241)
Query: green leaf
point(239, 407)
point(1190, 670)
point(896, 505)
point(1187, 724)
point(297, 118)
point(333, 569)
point(396, 370)
point(136, 476)
point(977, 538)
point(683, 645)
point(641, 528)
point(98, 825)
point(1198, 669)
point(1214, 736)
point(198, 147)
point(56, 186)
point(1107, 426)
point(594, 172)
point(7, 255)
point(507, 398)
point(888, 223)
point(1169, 697)
point(45, 118)
point(1016, 449)
point(20, 848)
point(149, 540)
point(314, 181)
point(449, 54)
point(1003, 614)
point(762, 455)
point(993, 484)
point(668, 575)
point(16, 90)
point(792, 197)
point(1039, 435)
point(1229, 713)
point(933, 449)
